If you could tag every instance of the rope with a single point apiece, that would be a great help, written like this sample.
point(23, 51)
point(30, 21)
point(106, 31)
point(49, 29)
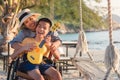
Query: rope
point(80, 37)
point(80, 7)
point(82, 46)
point(107, 74)
point(112, 55)
point(110, 22)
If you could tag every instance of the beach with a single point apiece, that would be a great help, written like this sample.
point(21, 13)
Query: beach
point(98, 56)
point(3, 74)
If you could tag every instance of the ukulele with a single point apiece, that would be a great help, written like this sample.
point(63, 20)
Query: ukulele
point(36, 56)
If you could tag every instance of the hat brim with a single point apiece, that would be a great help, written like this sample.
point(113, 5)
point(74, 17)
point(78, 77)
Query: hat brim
point(26, 17)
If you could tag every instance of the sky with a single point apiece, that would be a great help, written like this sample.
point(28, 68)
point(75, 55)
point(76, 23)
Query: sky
point(115, 5)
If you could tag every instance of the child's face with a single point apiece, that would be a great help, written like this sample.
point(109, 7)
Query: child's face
point(42, 29)
point(30, 23)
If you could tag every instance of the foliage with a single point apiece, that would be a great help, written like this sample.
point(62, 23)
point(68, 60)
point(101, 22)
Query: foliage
point(91, 19)
point(67, 11)
point(1, 2)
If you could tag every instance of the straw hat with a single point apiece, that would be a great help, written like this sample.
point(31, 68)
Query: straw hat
point(24, 14)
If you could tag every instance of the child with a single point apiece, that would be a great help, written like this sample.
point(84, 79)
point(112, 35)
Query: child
point(35, 70)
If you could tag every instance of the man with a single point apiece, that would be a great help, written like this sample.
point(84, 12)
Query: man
point(27, 25)
point(32, 69)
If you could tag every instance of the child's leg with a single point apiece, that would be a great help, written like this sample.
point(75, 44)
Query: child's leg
point(35, 74)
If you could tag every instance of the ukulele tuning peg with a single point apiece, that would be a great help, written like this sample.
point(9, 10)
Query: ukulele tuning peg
point(57, 24)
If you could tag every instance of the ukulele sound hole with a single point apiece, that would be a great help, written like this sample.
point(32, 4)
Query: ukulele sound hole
point(32, 57)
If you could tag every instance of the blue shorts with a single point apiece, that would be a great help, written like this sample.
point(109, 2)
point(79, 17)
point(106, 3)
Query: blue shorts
point(43, 67)
point(27, 66)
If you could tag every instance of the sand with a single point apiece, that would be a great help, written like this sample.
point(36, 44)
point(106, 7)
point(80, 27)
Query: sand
point(2, 73)
point(98, 56)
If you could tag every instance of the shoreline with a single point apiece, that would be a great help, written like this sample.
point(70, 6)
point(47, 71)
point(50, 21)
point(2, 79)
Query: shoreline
point(89, 31)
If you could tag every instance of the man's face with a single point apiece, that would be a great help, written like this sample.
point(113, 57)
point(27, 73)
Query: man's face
point(42, 29)
point(30, 23)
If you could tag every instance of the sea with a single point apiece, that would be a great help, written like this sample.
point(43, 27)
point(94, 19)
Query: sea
point(96, 40)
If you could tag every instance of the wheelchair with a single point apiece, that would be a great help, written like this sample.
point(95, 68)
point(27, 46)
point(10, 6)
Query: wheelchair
point(15, 74)
point(12, 70)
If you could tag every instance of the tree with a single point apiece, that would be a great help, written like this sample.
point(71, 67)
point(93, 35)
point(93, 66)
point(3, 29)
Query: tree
point(9, 22)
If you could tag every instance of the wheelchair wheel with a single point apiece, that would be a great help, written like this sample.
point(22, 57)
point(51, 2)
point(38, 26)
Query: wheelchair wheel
point(12, 70)
point(60, 70)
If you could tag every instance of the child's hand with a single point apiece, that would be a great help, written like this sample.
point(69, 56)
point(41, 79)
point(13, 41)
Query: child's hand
point(53, 47)
point(48, 41)
point(29, 47)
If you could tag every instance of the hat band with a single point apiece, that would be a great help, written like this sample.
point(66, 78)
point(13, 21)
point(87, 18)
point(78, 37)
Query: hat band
point(23, 15)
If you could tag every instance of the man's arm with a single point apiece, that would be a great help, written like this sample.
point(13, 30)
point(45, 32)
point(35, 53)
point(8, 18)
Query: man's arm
point(16, 42)
point(17, 45)
point(56, 41)
point(16, 53)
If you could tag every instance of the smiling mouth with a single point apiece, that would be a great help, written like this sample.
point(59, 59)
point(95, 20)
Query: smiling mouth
point(32, 25)
point(40, 33)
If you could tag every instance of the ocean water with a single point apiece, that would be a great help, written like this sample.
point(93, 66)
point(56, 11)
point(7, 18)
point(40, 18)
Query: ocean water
point(96, 40)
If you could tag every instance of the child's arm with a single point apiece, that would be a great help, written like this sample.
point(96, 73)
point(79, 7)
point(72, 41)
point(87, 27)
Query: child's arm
point(56, 54)
point(52, 49)
point(25, 48)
